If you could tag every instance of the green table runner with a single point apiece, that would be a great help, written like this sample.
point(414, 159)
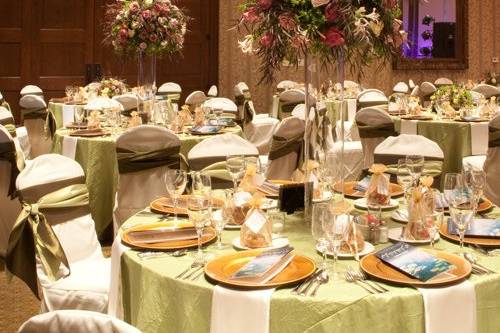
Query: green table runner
point(154, 301)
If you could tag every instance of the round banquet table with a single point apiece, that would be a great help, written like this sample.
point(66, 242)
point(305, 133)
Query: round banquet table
point(154, 301)
point(97, 156)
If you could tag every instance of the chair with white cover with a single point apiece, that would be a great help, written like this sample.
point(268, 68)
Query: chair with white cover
point(492, 162)
point(144, 154)
point(129, 102)
point(443, 81)
point(9, 169)
point(427, 89)
point(209, 156)
point(374, 126)
point(229, 108)
point(33, 117)
point(401, 88)
point(31, 89)
point(411, 84)
point(393, 148)
point(487, 90)
point(476, 96)
point(53, 192)
point(353, 150)
point(6, 116)
point(194, 99)
point(75, 321)
point(415, 92)
point(213, 91)
point(288, 100)
point(285, 85)
point(371, 97)
point(172, 90)
point(286, 148)
point(4, 103)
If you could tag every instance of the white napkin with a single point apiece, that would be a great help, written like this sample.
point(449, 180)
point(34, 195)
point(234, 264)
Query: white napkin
point(115, 305)
point(479, 138)
point(69, 146)
point(409, 126)
point(450, 309)
point(240, 311)
point(68, 114)
point(351, 109)
point(275, 107)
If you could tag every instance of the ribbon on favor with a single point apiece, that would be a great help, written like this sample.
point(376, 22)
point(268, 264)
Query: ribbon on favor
point(376, 131)
point(131, 161)
point(32, 236)
point(8, 153)
point(493, 137)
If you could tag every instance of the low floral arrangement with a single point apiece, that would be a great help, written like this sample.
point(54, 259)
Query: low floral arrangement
point(286, 30)
point(149, 26)
point(492, 78)
point(111, 87)
point(458, 96)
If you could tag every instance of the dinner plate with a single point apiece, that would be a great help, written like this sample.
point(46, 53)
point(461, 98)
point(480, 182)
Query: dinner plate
point(395, 235)
point(209, 235)
point(369, 248)
point(349, 191)
point(472, 120)
point(480, 241)
point(422, 117)
point(222, 268)
point(484, 206)
point(400, 215)
point(76, 126)
point(376, 268)
point(165, 205)
point(86, 133)
point(278, 242)
point(361, 204)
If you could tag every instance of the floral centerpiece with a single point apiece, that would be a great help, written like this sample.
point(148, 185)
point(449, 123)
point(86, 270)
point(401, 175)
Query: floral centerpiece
point(492, 78)
point(149, 26)
point(287, 30)
point(459, 97)
point(111, 87)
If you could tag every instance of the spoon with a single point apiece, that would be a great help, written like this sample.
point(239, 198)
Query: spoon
point(322, 279)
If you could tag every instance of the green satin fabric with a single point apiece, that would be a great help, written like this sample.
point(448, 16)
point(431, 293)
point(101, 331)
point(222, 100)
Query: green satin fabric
point(130, 161)
point(338, 307)
point(32, 236)
point(431, 168)
point(282, 146)
point(333, 111)
point(378, 131)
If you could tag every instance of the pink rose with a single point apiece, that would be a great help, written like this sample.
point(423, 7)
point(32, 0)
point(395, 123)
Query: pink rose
point(287, 22)
point(153, 38)
point(265, 4)
point(267, 40)
point(333, 37)
point(251, 15)
point(143, 46)
point(298, 41)
point(332, 12)
point(146, 14)
point(123, 33)
point(134, 7)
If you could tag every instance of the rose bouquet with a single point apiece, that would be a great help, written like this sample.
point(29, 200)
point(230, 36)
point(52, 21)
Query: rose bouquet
point(286, 30)
point(149, 26)
point(458, 96)
point(111, 87)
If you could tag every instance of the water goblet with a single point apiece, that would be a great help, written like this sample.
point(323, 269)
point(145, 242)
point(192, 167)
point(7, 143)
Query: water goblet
point(221, 218)
point(175, 182)
point(336, 229)
point(415, 164)
point(235, 165)
point(321, 212)
point(404, 178)
point(199, 214)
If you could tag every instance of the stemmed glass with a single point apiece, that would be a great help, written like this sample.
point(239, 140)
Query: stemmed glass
point(235, 165)
point(320, 213)
point(199, 214)
point(451, 181)
point(202, 185)
point(475, 180)
point(219, 221)
point(336, 228)
point(434, 219)
point(462, 207)
point(175, 182)
point(404, 178)
point(330, 171)
point(415, 164)
point(70, 91)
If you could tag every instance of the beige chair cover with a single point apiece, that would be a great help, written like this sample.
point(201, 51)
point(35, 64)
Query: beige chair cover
point(415, 91)
point(75, 321)
point(33, 114)
point(129, 102)
point(31, 90)
point(443, 81)
point(487, 90)
point(353, 158)
point(213, 91)
point(288, 99)
point(195, 98)
point(411, 84)
point(401, 88)
point(427, 89)
point(284, 166)
point(492, 163)
point(228, 106)
point(371, 97)
point(286, 85)
point(374, 126)
point(131, 196)
point(169, 88)
point(86, 288)
point(6, 116)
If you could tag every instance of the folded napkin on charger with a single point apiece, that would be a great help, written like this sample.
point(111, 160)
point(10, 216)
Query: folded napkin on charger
point(363, 184)
point(159, 235)
point(443, 306)
point(240, 311)
point(269, 188)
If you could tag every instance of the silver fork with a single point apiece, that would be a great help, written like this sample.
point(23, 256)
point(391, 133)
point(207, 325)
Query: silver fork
point(193, 272)
point(350, 278)
point(306, 281)
point(375, 285)
point(193, 265)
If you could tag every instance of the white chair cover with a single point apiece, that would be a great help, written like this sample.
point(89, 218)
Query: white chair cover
point(6, 116)
point(260, 132)
point(196, 98)
point(350, 131)
point(426, 90)
point(286, 85)
point(353, 158)
point(38, 140)
point(371, 97)
point(129, 102)
point(408, 144)
point(216, 148)
point(31, 90)
point(401, 88)
point(476, 96)
point(474, 162)
point(371, 117)
point(213, 91)
point(411, 84)
point(288, 99)
point(443, 81)
point(169, 88)
point(75, 321)
point(22, 139)
point(86, 288)
point(491, 165)
point(415, 91)
point(283, 167)
point(101, 103)
point(32, 102)
point(487, 90)
point(227, 105)
point(143, 138)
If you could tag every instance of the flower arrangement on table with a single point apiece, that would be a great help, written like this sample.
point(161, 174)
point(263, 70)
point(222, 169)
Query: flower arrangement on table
point(148, 26)
point(492, 78)
point(111, 87)
point(458, 97)
point(286, 30)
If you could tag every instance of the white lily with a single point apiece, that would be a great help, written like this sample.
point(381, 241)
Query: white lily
point(246, 45)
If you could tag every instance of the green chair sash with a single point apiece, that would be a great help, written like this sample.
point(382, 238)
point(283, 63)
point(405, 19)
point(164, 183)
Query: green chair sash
point(8, 153)
point(431, 168)
point(33, 114)
point(50, 124)
point(131, 161)
point(281, 146)
point(7, 121)
point(11, 128)
point(32, 236)
point(493, 137)
point(376, 131)
point(5, 105)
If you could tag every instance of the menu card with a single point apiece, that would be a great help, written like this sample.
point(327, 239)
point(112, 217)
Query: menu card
point(164, 234)
point(269, 188)
point(478, 228)
point(265, 266)
point(363, 184)
point(413, 261)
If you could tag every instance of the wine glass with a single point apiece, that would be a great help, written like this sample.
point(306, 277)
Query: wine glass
point(277, 219)
point(451, 181)
point(199, 214)
point(336, 228)
point(434, 221)
point(475, 180)
point(79, 115)
point(202, 185)
point(415, 164)
point(221, 217)
point(218, 113)
point(235, 165)
point(175, 182)
point(331, 170)
point(321, 212)
point(69, 91)
point(404, 177)
point(462, 207)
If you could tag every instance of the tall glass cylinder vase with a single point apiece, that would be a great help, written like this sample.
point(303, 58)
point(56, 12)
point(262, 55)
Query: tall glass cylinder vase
point(146, 82)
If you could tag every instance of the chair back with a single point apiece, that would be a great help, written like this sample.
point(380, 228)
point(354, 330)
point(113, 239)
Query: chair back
point(6, 116)
point(374, 125)
point(443, 81)
point(172, 90)
point(244, 103)
point(31, 89)
point(493, 161)
point(33, 116)
point(415, 91)
point(286, 148)
point(144, 154)
point(213, 91)
point(487, 90)
point(129, 102)
point(285, 85)
point(411, 84)
point(195, 98)
point(427, 89)
point(75, 321)
point(288, 100)
point(229, 108)
point(401, 88)
point(371, 97)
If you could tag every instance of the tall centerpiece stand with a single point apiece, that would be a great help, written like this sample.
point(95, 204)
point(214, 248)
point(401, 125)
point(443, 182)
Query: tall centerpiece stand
point(328, 31)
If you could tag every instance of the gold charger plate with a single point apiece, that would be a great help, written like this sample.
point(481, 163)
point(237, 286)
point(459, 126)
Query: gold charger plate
point(222, 268)
point(476, 120)
point(374, 267)
point(417, 117)
point(349, 191)
point(481, 241)
point(85, 133)
point(484, 206)
point(209, 235)
point(165, 205)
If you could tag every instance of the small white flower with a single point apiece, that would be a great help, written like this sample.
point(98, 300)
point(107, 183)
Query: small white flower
point(246, 45)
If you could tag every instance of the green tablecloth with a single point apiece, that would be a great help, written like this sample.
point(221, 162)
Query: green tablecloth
point(154, 301)
point(57, 110)
point(97, 156)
